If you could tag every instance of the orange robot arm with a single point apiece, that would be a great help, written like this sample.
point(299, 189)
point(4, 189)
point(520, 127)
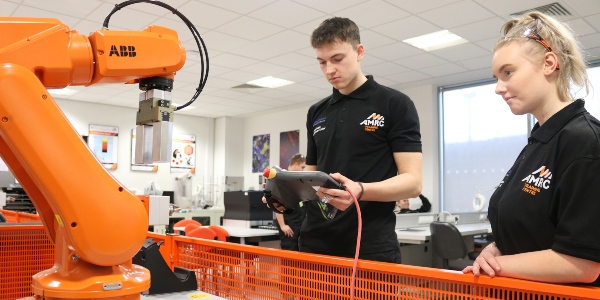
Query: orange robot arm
point(90, 216)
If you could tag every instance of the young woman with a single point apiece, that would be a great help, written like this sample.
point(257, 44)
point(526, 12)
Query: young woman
point(544, 214)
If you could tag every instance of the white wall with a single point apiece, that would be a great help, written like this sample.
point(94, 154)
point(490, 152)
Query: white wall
point(425, 98)
point(82, 114)
point(272, 123)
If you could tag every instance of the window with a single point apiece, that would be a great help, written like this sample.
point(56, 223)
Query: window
point(481, 138)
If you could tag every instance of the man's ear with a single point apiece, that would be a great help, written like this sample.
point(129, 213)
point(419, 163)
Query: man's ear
point(360, 49)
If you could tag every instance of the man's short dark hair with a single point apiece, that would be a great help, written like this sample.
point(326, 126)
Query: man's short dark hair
point(335, 29)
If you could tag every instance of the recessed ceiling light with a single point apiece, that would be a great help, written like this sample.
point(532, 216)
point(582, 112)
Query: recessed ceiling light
point(436, 40)
point(270, 82)
point(63, 92)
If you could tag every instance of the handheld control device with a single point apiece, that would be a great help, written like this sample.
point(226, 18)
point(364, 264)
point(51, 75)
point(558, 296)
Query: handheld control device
point(285, 189)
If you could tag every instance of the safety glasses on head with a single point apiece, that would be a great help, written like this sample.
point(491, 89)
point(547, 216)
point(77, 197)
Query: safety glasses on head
point(530, 33)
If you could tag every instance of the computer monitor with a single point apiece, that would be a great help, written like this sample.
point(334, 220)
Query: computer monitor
point(171, 195)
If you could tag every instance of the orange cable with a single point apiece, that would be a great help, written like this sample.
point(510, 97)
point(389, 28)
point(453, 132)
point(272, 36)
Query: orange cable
point(358, 238)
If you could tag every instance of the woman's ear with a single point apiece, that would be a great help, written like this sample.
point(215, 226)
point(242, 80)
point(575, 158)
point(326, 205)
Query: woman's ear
point(550, 63)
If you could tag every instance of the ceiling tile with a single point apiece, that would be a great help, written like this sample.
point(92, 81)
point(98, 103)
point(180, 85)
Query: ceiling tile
point(423, 60)
point(240, 7)
point(447, 16)
point(594, 21)
point(249, 28)
point(205, 15)
point(590, 41)
point(487, 44)
point(394, 51)
point(242, 76)
point(581, 27)
point(583, 7)
point(222, 42)
point(232, 61)
point(385, 13)
point(27, 11)
point(293, 60)
point(125, 18)
point(151, 8)
point(461, 52)
point(329, 6)
point(7, 8)
point(416, 7)
point(374, 39)
point(286, 13)
point(298, 76)
point(442, 70)
point(405, 28)
point(265, 69)
point(481, 30)
point(476, 63)
point(73, 8)
point(258, 51)
point(370, 60)
point(385, 69)
point(505, 8)
point(409, 76)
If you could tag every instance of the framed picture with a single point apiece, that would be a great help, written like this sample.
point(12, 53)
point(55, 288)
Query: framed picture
point(260, 152)
point(103, 141)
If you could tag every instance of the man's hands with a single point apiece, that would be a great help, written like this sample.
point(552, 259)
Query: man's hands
point(340, 199)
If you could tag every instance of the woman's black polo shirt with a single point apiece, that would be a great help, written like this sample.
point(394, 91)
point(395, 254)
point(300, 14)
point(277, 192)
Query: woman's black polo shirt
point(550, 198)
point(356, 136)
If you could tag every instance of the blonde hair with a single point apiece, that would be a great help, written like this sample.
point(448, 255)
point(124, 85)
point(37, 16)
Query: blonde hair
point(560, 38)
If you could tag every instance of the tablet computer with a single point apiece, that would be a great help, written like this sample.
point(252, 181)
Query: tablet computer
point(289, 188)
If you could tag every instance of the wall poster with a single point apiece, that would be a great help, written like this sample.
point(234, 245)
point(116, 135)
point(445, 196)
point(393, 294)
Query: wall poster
point(288, 146)
point(103, 141)
point(260, 152)
point(184, 153)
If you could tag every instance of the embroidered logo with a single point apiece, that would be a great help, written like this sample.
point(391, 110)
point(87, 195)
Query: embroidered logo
point(537, 180)
point(373, 122)
point(317, 129)
point(319, 121)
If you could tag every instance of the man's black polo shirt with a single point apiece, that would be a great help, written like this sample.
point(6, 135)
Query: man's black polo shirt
point(356, 136)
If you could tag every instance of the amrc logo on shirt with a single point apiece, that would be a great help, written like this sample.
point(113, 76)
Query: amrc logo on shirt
point(539, 179)
point(373, 122)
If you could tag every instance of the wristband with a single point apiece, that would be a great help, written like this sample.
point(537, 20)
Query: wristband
point(362, 190)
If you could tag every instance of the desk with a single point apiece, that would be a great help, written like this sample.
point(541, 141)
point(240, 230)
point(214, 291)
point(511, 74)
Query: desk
point(242, 232)
point(420, 235)
point(416, 243)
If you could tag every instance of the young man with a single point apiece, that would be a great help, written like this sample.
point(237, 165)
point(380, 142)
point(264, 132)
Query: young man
point(289, 224)
point(370, 134)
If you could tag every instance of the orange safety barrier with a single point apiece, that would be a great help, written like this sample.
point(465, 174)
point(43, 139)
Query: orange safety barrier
point(235, 271)
point(24, 251)
point(19, 217)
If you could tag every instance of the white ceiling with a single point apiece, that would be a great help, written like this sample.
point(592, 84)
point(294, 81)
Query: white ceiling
point(249, 39)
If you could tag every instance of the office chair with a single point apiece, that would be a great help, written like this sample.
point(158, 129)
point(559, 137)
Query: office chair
point(222, 234)
point(202, 233)
point(447, 243)
point(190, 227)
point(185, 222)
